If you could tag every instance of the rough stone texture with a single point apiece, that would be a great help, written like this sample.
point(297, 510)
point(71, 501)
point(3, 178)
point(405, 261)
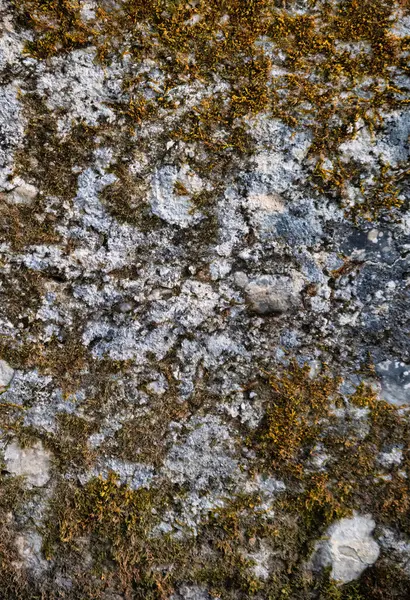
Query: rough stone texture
point(204, 457)
point(349, 549)
point(192, 593)
point(28, 546)
point(204, 212)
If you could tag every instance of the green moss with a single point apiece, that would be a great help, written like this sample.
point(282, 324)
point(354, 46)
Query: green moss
point(143, 437)
point(22, 225)
point(70, 443)
point(293, 421)
point(301, 418)
point(127, 200)
point(383, 581)
point(22, 292)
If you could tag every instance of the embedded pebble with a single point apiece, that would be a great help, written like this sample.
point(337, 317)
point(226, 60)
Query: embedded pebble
point(268, 295)
point(348, 547)
point(6, 374)
point(33, 463)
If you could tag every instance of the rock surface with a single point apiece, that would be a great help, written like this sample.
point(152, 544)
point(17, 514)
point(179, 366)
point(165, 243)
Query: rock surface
point(269, 294)
point(204, 299)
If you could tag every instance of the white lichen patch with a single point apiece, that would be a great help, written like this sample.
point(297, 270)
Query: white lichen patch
point(79, 87)
point(261, 559)
point(12, 126)
point(29, 549)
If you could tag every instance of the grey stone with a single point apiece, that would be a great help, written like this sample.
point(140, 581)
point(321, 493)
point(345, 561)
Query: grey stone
point(392, 457)
point(241, 279)
point(170, 205)
point(192, 592)
point(395, 381)
point(25, 194)
point(205, 457)
point(261, 559)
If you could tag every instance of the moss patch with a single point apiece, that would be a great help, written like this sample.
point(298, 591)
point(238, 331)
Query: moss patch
point(106, 536)
point(339, 63)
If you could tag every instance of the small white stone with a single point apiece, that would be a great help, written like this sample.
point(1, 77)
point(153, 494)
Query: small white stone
point(373, 235)
point(88, 11)
point(268, 203)
point(219, 268)
point(32, 463)
point(268, 295)
point(241, 279)
point(6, 374)
point(155, 387)
point(349, 548)
point(169, 205)
point(261, 561)
point(389, 459)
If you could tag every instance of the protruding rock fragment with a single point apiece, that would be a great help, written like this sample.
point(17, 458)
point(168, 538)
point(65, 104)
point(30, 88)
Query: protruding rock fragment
point(395, 381)
point(192, 592)
point(6, 374)
point(268, 294)
point(23, 194)
point(33, 463)
point(261, 559)
point(349, 548)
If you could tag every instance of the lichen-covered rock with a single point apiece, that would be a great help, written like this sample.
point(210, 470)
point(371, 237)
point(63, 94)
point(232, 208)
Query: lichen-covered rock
point(24, 193)
point(205, 459)
point(28, 547)
point(195, 592)
point(171, 192)
point(204, 293)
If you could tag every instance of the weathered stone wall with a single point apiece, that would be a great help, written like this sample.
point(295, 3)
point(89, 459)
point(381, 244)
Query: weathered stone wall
point(204, 283)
